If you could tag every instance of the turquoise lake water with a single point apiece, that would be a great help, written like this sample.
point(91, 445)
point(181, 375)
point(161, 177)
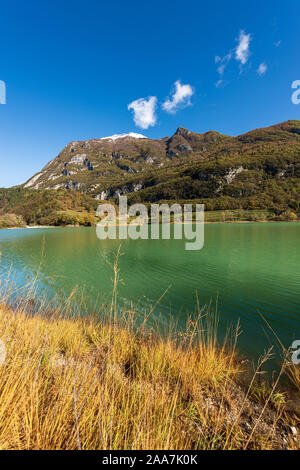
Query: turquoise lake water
point(246, 269)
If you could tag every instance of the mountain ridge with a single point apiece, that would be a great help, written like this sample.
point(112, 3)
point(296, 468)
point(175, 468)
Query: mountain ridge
point(254, 176)
point(151, 169)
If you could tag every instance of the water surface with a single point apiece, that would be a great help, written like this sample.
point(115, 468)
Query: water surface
point(248, 269)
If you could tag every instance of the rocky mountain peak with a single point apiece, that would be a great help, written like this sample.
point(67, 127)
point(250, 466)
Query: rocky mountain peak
point(183, 132)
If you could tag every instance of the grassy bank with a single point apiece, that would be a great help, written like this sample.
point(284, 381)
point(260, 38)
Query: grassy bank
point(240, 215)
point(74, 383)
point(112, 381)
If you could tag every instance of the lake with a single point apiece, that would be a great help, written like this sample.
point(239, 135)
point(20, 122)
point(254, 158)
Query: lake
point(245, 270)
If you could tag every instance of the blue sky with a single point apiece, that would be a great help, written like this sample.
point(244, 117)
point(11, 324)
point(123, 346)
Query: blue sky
point(72, 68)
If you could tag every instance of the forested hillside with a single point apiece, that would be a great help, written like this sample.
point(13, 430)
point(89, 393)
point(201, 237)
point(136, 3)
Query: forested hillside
point(257, 171)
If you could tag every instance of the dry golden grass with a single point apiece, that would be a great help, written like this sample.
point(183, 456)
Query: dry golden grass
point(79, 384)
point(82, 383)
point(294, 374)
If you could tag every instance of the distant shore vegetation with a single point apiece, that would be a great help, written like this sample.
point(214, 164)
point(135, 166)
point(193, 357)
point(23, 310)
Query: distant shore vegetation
point(22, 207)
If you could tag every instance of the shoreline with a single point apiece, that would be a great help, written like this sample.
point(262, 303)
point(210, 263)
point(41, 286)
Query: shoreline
point(171, 223)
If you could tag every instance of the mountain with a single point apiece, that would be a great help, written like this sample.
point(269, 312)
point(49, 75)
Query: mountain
point(258, 169)
point(254, 176)
point(109, 166)
point(98, 166)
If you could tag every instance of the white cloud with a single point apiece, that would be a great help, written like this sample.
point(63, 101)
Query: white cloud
point(144, 111)
point(240, 53)
point(242, 49)
point(262, 69)
point(223, 62)
point(221, 68)
point(180, 97)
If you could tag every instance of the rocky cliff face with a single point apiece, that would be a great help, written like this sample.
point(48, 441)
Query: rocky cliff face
point(91, 166)
point(198, 165)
